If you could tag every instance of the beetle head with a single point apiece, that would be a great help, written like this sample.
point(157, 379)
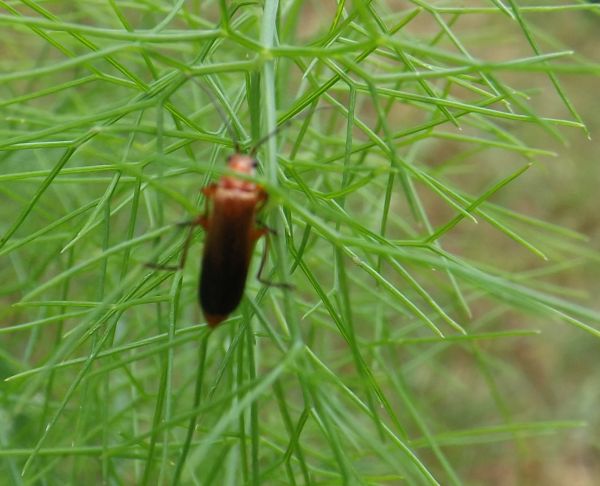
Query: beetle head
point(242, 163)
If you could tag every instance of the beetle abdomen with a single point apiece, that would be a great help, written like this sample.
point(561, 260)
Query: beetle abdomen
point(225, 261)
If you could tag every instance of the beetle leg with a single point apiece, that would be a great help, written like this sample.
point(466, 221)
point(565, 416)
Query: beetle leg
point(261, 230)
point(182, 260)
point(190, 222)
point(263, 260)
point(262, 198)
point(201, 220)
point(186, 247)
point(166, 268)
point(209, 192)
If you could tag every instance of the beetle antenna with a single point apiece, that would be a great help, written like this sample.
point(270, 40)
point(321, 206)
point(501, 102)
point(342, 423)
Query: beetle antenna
point(277, 129)
point(219, 108)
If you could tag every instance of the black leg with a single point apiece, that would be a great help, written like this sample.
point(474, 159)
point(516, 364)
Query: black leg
point(186, 247)
point(263, 261)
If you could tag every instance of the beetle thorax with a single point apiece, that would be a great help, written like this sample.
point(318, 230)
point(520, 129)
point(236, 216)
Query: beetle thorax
point(241, 164)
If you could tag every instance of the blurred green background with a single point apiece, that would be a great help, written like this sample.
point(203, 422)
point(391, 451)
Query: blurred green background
point(518, 410)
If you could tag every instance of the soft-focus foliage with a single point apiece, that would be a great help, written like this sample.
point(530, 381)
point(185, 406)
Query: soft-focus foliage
point(434, 201)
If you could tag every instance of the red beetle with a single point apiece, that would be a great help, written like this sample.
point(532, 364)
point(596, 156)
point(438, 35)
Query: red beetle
point(232, 205)
point(230, 221)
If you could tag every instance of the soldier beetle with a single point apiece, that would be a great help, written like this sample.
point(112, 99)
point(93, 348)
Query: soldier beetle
point(232, 230)
point(230, 222)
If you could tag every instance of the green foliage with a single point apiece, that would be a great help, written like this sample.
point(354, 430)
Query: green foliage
point(391, 360)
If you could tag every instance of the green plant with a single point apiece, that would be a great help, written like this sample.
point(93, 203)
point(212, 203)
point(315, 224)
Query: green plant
point(387, 357)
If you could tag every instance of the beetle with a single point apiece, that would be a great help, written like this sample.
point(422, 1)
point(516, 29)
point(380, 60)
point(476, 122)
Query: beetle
point(230, 222)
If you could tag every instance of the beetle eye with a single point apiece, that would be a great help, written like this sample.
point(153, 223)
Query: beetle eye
point(229, 157)
point(254, 163)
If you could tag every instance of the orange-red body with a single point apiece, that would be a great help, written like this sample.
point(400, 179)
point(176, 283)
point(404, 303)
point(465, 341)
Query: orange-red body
point(231, 234)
